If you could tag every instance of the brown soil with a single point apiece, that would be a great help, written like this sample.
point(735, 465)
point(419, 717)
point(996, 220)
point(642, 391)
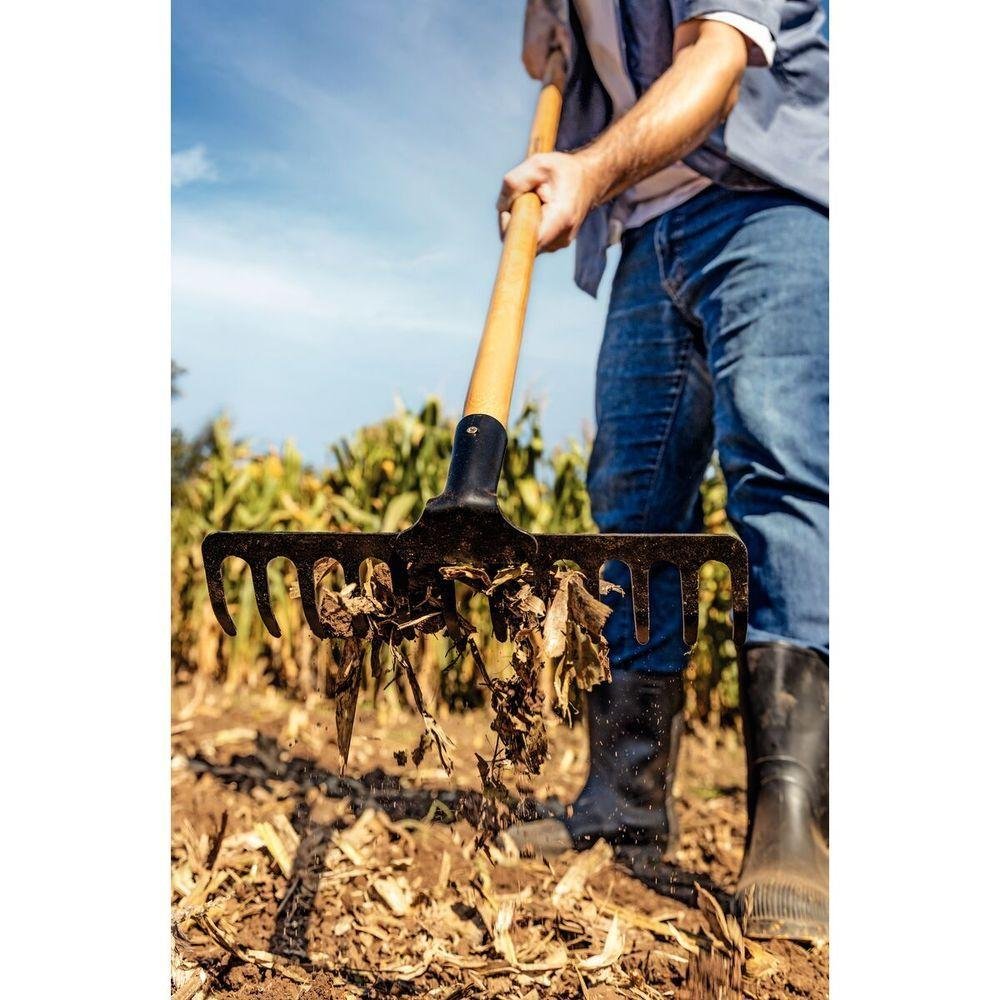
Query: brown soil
point(293, 880)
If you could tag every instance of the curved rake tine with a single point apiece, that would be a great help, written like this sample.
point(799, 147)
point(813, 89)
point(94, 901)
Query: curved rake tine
point(412, 573)
point(214, 561)
point(499, 625)
point(262, 594)
point(539, 572)
point(690, 587)
point(640, 602)
point(732, 553)
point(450, 609)
point(307, 590)
point(739, 625)
point(739, 571)
point(416, 591)
point(400, 578)
point(591, 570)
point(351, 568)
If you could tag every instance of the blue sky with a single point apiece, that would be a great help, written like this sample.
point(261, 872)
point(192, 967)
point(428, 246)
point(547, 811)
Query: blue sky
point(334, 242)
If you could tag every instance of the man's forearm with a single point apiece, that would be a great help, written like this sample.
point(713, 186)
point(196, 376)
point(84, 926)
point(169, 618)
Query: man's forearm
point(674, 116)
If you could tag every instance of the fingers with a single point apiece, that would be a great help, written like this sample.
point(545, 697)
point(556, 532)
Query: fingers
point(558, 182)
point(526, 176)
point(556, 228)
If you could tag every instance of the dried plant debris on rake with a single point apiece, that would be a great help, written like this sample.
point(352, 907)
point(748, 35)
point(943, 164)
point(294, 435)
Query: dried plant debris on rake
point(555, 619)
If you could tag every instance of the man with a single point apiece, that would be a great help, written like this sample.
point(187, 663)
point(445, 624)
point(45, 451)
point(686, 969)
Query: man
point(698, 139)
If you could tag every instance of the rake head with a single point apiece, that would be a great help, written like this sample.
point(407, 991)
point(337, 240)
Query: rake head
point(464, 526)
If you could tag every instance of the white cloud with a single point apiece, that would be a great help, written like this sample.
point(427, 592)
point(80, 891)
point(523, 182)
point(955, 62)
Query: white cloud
point(191, 165)
point(308, 276)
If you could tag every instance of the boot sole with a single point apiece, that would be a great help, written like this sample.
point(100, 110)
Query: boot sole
point(785, 909)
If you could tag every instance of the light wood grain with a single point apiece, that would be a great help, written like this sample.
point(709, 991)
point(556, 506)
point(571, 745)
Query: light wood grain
point(492, 382)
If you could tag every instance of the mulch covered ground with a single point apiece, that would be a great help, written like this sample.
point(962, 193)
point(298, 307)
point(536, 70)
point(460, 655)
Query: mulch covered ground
point(291, 879)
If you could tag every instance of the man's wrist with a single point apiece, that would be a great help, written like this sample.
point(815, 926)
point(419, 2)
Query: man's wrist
point(597, 184)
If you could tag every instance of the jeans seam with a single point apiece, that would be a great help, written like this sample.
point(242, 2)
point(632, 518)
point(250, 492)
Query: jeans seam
point(670, 288)
point(659, 241)
point(682, 368)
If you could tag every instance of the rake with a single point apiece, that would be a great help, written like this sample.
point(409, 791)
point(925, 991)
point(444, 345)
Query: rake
point(464, 525)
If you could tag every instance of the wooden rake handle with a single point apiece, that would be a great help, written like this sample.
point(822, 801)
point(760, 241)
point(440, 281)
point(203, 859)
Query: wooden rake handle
point(492, 382)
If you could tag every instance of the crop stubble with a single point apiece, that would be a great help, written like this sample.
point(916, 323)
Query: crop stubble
point(292, 879)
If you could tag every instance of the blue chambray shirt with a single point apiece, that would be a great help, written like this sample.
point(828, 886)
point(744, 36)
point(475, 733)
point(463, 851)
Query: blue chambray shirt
point(776, 136)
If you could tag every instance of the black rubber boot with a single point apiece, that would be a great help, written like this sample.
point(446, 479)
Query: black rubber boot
point(783, 889)
point(634, 726)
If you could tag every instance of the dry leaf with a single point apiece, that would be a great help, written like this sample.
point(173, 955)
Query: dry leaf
point(614, 946)
point(407, 972)
point(686, 941)
point(725, 928)
point(662, 928)
point(559, 959)
point(584, 867)
point(554, 629)
point(275, 846)
point(761, 964)
point(472, 576)
point(395, 893)
point(345, 702)
point(502, 941)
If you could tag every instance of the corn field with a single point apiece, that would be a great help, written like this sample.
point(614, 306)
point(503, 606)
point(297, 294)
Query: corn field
point(379, 480)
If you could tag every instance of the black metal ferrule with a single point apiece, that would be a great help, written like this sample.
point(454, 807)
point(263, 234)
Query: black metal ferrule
point(476, 460)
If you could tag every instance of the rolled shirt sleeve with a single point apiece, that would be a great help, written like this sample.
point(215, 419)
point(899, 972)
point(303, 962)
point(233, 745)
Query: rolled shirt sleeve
point(757, 20)
point(762, 44)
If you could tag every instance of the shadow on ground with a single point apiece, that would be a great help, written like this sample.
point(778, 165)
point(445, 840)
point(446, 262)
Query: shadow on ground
point(379, 789)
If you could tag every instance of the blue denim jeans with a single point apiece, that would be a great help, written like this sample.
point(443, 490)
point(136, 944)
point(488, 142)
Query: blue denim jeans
point(717, 337)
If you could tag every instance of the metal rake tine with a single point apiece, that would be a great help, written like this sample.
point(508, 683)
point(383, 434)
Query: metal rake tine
point(416, 590)
point(307, 591)
point(400, 579)
point(213, 558)
point(539, 569)
point(449, 609)
point(499, 624)
point(690, 589)
point(351, 568)
point(640, 601)
point(591, 570)
point(262, 595)
point(735, 558)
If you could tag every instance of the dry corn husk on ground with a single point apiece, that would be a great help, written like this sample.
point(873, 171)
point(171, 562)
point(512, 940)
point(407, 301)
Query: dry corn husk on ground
point(294, 878)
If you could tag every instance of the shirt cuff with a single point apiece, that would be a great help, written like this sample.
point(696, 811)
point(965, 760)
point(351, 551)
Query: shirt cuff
point(762, 44)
